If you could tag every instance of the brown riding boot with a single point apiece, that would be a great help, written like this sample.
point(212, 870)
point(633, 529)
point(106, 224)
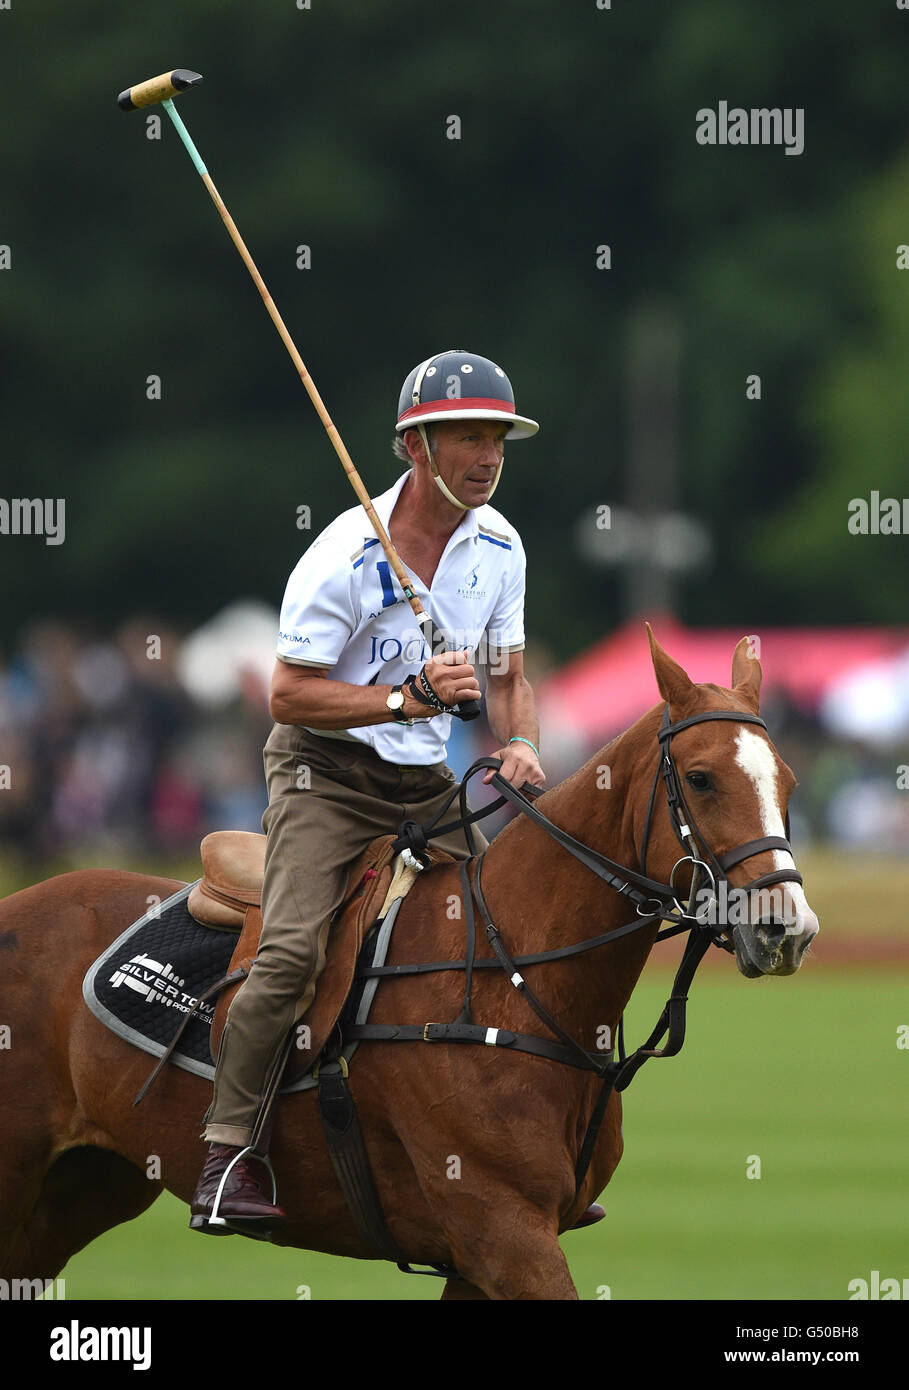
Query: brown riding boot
point(242, 1207)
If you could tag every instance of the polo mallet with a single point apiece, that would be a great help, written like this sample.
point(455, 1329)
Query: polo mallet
point(163, 89)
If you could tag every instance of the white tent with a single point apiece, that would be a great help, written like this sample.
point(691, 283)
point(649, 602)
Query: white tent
point(217, 662)
point(870, 703)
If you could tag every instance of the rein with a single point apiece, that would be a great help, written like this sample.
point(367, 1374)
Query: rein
point(653, 901)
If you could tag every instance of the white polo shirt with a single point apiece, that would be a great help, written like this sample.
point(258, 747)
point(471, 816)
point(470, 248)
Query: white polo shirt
point(343, 610)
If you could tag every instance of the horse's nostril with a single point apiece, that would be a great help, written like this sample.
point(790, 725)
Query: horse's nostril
point(770, 931)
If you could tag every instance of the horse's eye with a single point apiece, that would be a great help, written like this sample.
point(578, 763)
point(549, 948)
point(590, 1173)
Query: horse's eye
point(699, 780)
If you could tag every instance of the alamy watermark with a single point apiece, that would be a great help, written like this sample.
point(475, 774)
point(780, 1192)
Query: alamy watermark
point(878, 516)
point(84, 1343)
point(875, 1288)
point(758, 125)
point(34, 516)
point(737, 907)
point(30, 1290)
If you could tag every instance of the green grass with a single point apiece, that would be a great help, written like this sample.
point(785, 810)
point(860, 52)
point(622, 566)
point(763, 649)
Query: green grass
point(802, 1072)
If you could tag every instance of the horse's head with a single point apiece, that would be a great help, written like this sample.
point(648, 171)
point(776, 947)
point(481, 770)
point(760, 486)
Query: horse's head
point(734, 790)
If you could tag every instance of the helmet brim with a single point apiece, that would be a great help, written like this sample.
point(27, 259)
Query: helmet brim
point(520, 426)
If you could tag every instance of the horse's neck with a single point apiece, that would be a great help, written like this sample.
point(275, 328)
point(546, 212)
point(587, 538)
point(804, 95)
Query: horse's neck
point(596, 806)
point(541, 897)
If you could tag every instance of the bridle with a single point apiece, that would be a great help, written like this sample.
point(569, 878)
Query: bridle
point(653, 901)
point(692, 840)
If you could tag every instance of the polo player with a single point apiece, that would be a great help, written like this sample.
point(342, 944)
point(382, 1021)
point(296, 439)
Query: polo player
point(363, 711)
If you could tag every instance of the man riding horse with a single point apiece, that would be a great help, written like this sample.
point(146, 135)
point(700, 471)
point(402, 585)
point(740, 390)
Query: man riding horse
point(363, 711)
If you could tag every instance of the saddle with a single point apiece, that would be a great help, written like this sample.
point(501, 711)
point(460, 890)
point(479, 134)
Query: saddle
point(229, 897)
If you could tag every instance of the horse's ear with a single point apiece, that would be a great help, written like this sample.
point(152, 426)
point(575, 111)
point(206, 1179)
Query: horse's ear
point(746, 674)
point(675, 685)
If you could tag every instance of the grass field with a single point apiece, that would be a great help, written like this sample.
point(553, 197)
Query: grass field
point(803, 1074)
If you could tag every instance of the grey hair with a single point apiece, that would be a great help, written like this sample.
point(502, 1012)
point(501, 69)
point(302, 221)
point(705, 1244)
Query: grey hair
point(399, 448)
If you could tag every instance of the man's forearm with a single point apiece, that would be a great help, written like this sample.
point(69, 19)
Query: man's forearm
point(511, 711)
point(307, 695)
point(329, 704)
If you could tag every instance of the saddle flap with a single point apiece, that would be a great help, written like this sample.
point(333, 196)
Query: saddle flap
point(368, 881)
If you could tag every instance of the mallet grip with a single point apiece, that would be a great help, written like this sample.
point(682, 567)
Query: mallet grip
point(166, 84)
point(467, 709)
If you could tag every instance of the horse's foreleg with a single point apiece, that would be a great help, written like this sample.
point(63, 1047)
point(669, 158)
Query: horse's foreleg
point(458, 1290)
point(502, 1238)
point(514, 1257)
point(84, 1193)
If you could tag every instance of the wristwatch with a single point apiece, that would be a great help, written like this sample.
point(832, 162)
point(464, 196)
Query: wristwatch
point(395, 702)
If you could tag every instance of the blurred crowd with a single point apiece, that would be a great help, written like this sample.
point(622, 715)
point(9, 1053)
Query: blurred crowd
point(106, 756)
point(851, 794)
point(110, 756)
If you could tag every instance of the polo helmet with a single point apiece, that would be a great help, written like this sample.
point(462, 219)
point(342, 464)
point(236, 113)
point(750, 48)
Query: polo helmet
point(458, 385)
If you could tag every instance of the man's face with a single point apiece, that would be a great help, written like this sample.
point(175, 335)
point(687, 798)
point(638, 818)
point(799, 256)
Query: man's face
point(467, 454)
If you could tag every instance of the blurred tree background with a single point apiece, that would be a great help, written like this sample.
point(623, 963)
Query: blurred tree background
point(326, 126)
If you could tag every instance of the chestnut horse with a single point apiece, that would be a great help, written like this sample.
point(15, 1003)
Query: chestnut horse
point(74, 1151)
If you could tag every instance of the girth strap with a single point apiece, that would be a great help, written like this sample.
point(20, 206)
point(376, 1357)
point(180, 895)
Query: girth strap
point(479, 1033)
point(344, 1140)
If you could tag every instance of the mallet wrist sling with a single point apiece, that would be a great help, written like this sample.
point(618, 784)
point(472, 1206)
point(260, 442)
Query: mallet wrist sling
point(420, 688)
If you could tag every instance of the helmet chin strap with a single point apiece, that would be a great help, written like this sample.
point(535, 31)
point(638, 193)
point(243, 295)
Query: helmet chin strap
point(440, 482)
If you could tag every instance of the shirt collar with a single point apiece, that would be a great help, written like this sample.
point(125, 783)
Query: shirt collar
point(468, 527)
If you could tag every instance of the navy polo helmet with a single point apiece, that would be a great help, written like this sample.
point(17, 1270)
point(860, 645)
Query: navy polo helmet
point(457, 385)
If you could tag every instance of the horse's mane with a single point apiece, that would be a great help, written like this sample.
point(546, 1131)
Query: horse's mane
point(643, 728)
point(549, 800)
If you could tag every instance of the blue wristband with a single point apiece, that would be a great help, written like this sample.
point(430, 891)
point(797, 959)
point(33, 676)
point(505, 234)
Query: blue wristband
point(518, 739)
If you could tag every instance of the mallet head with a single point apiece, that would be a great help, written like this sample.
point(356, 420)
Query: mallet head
point(168, 84)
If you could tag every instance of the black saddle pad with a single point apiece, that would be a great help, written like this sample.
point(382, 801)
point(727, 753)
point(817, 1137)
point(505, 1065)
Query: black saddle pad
point(145, 984)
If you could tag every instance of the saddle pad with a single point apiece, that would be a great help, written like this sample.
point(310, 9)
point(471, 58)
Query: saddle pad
point(146, 982)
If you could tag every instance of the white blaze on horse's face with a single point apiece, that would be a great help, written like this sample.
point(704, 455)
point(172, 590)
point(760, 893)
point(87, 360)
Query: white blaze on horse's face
point(774, 943)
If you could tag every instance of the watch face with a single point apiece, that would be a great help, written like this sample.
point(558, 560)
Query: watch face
point(395, 700)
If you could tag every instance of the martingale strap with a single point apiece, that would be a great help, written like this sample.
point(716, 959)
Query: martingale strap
point(636, 886)
point(646, 894)
point(671, 1022)
point(570, 1052)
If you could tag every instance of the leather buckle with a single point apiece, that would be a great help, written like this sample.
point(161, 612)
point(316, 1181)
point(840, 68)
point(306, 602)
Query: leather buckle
point(341, 1061)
